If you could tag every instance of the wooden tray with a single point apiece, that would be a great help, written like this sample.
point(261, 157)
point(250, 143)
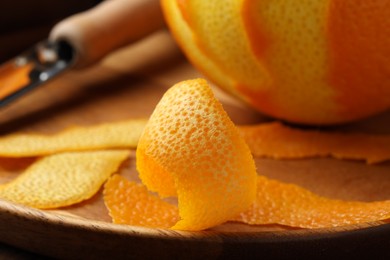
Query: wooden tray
point(128, 84)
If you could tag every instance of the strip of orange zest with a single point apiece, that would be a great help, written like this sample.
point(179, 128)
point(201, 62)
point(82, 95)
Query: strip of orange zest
point(278, 141)
point(130, 203)
point(63, 179)
point(123, 134)
point(291, 205)
point(276, 203)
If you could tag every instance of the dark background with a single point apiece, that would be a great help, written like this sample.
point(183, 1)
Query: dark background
point(25, 22)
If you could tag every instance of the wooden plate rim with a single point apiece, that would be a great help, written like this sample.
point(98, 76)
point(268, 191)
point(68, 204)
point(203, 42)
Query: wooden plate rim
point(20, 224)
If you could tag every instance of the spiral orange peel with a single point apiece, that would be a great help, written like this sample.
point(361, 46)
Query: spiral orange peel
point(131, 203)
point(191, 148)
point(123, 134)
point(63, 179)
point(278, 141)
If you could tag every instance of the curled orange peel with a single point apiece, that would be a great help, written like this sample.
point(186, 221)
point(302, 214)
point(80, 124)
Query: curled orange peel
point(278, 141)
point(190, 148)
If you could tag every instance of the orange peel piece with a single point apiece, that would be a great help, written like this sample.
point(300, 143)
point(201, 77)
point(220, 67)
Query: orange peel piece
point(131, 203)
point(124, 134)
point(278, 141)
point(190, 148)
point(276, 203)
point(291, 205)
point(63, 179)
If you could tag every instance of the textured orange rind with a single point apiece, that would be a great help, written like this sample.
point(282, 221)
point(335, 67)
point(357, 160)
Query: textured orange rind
point(291, 205)
point(63, 179)
point(278, 141)
point(190, 148)
point(319, 62)
point(124, 134)
point(276, 203)
point(132, 204)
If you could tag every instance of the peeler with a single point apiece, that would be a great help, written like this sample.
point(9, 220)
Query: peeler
point(77, 42)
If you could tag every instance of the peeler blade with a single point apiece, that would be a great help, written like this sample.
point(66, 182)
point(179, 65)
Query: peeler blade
point(34, 68)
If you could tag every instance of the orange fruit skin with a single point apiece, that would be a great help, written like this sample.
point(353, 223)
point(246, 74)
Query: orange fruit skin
point(291, 205)
point(278, 141)
point(191, 149)
point(130, 203)
point(316, 62)
point(359, 68)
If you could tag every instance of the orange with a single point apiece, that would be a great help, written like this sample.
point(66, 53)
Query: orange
point(312, 62)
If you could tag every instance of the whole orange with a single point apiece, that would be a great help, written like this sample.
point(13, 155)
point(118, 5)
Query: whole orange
point(307, 61)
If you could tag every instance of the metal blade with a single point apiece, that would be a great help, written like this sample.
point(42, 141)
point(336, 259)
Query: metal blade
point(33, 68)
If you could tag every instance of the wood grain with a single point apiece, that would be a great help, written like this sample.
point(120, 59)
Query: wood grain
point(128, 84)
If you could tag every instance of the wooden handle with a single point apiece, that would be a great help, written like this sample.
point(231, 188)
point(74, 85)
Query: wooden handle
point(109, 26)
